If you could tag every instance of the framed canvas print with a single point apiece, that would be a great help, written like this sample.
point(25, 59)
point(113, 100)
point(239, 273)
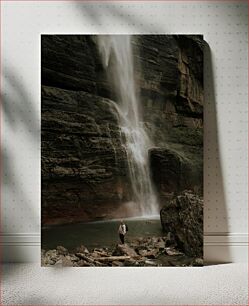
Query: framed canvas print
point(122, 150)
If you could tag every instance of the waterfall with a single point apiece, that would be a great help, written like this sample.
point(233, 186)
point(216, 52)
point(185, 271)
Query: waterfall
point(116, 51)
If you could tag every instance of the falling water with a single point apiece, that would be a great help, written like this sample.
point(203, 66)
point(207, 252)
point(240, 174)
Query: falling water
point(118, 49)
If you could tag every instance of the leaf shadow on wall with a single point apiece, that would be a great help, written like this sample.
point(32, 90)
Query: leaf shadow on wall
point(131, 21)
point(215, 210)
point(20, 119)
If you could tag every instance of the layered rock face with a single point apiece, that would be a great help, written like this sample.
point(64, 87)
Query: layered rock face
point(84, 165)
point(83, 162)
point(171, 82)
point(172, 171)
point(183, 218)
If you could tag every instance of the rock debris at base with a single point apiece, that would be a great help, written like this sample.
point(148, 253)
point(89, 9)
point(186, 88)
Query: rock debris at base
point(139, 252)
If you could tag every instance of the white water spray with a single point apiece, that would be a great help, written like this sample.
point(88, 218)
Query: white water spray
point(118, 49)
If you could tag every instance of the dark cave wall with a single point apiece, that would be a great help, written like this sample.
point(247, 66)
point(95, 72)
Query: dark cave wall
point(84, 168)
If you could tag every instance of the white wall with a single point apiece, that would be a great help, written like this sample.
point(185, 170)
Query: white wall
point(224, 25)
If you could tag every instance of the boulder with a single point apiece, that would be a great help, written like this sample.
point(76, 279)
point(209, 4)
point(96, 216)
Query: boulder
point(82, 249)
point(149, 253)
point(84, 263)
point(74, 258)
point(159, 244)
point(183, 217)
point(96, 253)
point(61, 250)
point(67, 262)
point(198, 262)
point(150, 263)
point(58, 263)
point(51, 257)
point(85, 257)
point(49, 262)
point(116, 263)
point(172, 252)
point(124, 249)
point(131, 262)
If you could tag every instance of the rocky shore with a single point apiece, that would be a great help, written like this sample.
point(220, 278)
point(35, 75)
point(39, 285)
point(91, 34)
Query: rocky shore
point(179, 244)
point(146, 252)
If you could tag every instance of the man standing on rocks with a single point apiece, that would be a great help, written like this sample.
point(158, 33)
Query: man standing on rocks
point(122, 231)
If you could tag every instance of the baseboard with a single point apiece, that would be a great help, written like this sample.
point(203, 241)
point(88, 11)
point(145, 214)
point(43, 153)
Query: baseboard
point(20, 247)
point(218, 247)
point(225, 247)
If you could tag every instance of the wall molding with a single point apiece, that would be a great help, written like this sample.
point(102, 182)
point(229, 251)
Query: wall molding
point(20, 239)
point(216, 238)
point(219, 247)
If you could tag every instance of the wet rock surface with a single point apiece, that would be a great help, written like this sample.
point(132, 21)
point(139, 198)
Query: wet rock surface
point(148, 252)
point(173, 171)
point(182, 217)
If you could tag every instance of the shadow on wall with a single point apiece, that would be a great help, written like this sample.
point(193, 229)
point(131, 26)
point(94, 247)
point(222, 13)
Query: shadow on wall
point(214, 194)
point(18, 108)
point(20, 119)
point(136, 25)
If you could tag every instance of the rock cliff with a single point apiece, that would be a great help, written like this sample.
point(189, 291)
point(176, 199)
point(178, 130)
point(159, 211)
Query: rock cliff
point(84, 166)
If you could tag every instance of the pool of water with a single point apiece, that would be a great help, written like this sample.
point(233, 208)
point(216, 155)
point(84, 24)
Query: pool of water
point(98, 234)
